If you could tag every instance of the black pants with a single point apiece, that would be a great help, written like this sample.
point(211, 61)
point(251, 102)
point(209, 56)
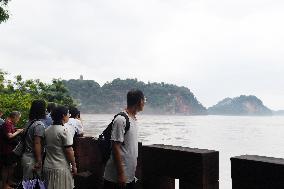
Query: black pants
point(112, 185)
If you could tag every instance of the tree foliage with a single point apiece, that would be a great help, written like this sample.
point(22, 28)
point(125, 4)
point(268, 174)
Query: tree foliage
point(18, 94)
point(4, 14)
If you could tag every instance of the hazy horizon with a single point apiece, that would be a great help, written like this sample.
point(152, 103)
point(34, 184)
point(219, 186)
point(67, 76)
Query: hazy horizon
point(217, 49)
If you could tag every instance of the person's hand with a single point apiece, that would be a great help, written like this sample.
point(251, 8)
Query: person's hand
point(20, 130)
point(121, 181)
point(74, 170)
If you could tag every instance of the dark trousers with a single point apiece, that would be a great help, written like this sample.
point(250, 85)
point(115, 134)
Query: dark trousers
point(112, 185)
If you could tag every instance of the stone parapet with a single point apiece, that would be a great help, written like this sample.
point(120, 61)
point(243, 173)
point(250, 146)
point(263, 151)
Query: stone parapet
point(257, 172)
point(158, 166)
point(196, 168)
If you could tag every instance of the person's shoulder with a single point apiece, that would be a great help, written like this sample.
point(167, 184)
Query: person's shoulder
point(71, 121)
point(78, 122)
point(7, 124)
point(4, 123)
point(64, 131)
point(59, 129)
point(38, 123)
point(120, 119)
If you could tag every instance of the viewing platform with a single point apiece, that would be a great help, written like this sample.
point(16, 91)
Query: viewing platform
point(159, 166)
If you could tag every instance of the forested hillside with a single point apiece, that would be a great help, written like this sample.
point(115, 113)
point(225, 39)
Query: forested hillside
point(17, 94)
point(111, 97)
point(242, 105)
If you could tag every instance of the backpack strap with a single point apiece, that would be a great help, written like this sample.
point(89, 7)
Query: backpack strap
point(26, 130)
point(127, 127)
point(107, 132)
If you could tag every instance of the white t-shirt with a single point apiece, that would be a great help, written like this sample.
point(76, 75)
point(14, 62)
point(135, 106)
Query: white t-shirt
point(128, 150)
point(74, 126)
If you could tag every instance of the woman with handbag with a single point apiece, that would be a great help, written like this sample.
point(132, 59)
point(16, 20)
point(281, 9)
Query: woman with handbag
point(59, 152)
point(8, 141)
point(34, 137)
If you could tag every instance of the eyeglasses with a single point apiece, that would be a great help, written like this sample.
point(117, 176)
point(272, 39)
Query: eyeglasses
point(145, 99)
point(68, 114)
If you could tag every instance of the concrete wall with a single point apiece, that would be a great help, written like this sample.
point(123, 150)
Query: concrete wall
point(158, 166)
point(257, 172)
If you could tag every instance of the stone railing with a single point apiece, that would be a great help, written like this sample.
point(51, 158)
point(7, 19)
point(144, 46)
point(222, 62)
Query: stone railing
point(257, 172)
point(158, 166)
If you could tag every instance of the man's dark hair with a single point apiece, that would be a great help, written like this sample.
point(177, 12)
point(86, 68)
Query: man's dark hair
point(74, 112)
point(37, 110)
point(134, 97)
point(50, 107)
point(58, 113)
point(14, 114)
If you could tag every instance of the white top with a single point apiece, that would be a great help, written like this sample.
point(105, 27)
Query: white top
point(128, 151)
point(57, 138)
point(74, 126)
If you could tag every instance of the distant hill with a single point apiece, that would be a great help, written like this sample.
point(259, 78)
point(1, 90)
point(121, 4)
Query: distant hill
point(279, 112)
point(242, 105)
point(111, 97)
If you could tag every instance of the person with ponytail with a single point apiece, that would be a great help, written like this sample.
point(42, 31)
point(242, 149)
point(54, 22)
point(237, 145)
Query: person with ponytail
point(34, 140)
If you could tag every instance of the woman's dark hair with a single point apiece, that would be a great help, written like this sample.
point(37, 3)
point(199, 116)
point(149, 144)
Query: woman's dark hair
point(37, 110)
point(58, 113)
point(134, 97)
point(50, 107)
point(74, 112)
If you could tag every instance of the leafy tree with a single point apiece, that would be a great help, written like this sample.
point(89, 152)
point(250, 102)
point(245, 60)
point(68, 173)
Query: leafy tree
point(18, 94)
point(4, 14)
point(16, 102)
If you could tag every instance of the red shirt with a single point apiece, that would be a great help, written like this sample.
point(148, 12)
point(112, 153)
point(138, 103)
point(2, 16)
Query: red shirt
point(5, 146)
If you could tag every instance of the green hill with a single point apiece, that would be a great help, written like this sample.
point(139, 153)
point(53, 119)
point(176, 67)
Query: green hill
point(242, 105)
point(111, 97)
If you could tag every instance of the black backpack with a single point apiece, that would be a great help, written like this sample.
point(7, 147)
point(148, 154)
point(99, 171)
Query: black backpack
point(104, 141)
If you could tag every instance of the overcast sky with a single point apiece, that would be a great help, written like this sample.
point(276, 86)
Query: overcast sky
point(218, 49)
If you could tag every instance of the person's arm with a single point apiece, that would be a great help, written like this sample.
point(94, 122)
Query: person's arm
point(37, 152)
point(117, 138)
point(79, 128)
point(38, 137)
point(12, 135)
point(71, 158)
point(118, 162)
point(67, 142)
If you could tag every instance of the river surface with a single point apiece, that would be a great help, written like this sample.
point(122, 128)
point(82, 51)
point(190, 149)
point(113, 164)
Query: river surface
point(230, 135)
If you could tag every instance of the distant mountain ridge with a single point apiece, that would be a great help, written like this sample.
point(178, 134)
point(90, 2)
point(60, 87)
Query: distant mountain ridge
point(111, 97)
point(278, 112)
point(242, 105)
point(161, 99)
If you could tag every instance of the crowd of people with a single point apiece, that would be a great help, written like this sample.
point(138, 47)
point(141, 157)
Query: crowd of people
point(47, 139)
point(48, 145)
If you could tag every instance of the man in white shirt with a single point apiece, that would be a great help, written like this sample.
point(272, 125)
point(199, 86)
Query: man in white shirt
point(121, 166)
point(74, 124)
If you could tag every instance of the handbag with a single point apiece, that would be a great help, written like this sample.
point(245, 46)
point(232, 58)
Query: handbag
point(15, 140)
point(20, 148)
